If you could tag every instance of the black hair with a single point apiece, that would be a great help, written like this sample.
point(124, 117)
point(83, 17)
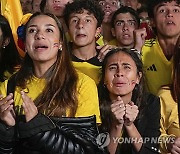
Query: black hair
point(143, 8)
point(42, 5)
point(151, 4)
point(78, 5)
point(125, 9)
point(9, 56)
point(104, 98)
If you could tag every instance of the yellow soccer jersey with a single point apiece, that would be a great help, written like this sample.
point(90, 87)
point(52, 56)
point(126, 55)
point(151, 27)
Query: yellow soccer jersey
point(7, 75)
point(169, 117)
point(158, 70)
point(113, 42)
point(91, 67)
point(100, 40)
point(87, 104)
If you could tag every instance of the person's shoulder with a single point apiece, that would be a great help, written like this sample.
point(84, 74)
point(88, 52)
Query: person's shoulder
point(150, 97)
point(164, 91)
point(84, 79)
point(149, 47)
point(113, 42)
point(166, 97)
point(150, 42)
point(152, 101)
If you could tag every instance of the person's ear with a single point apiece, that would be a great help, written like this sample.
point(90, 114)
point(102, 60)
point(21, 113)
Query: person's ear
point(139, 6)
point(139, 76)
point(6, 42)
point(113, 32)
point(98, 31)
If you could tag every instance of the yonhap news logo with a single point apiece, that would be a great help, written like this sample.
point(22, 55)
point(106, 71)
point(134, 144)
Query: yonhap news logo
point(103, 139)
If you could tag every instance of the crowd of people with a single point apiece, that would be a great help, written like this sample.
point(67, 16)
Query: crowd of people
point(91, 68)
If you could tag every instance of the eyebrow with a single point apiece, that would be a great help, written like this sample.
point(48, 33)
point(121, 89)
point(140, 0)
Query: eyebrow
point(164, 4)
point(126, 64)
point(117, 64)
point(112, 64)
point(47, 25)
point(87, 16)
point(125, 21)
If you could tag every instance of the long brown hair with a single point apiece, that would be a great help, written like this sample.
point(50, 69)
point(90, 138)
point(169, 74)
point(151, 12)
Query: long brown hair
point(175, 89)
point(60, 92)
point(176, 72)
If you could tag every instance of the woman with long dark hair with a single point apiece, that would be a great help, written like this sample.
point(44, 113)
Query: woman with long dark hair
point(9, 57)
point(127, 112)
point(170, 109)
point(47, 88)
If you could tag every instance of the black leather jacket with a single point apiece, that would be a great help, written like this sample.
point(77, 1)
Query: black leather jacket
point(41, 135)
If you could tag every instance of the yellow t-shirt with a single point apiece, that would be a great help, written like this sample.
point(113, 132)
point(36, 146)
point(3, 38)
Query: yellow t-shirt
point(88, 103)
point(91, 67)
point(169, 117)
point(158, 70)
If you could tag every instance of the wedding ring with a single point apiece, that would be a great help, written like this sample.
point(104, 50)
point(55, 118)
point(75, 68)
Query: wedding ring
point(120, 105)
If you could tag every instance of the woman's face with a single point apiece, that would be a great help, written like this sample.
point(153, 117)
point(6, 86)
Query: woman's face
point(120, 75)
point(42, 39)
point(56, 7)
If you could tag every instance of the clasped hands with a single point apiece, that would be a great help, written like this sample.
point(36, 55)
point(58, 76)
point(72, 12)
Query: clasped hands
point(125, 114)
point(7, 113)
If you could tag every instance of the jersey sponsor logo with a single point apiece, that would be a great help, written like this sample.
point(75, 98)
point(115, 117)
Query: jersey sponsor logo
point(152, 68)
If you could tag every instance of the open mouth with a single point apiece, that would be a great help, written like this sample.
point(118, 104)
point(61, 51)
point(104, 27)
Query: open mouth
point(170, 23)
point(126, 36)
point(41, 47)
point(119, 84)
point(80, 35)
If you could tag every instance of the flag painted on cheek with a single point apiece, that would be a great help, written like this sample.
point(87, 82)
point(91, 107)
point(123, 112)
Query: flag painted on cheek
point(56, 45)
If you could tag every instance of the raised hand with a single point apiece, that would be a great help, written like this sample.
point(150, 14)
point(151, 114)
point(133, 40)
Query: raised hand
point(103, 51)
point(131, 112)
point(139, 38)
point(118, 109)
point(7, 113)
point(29, 107)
